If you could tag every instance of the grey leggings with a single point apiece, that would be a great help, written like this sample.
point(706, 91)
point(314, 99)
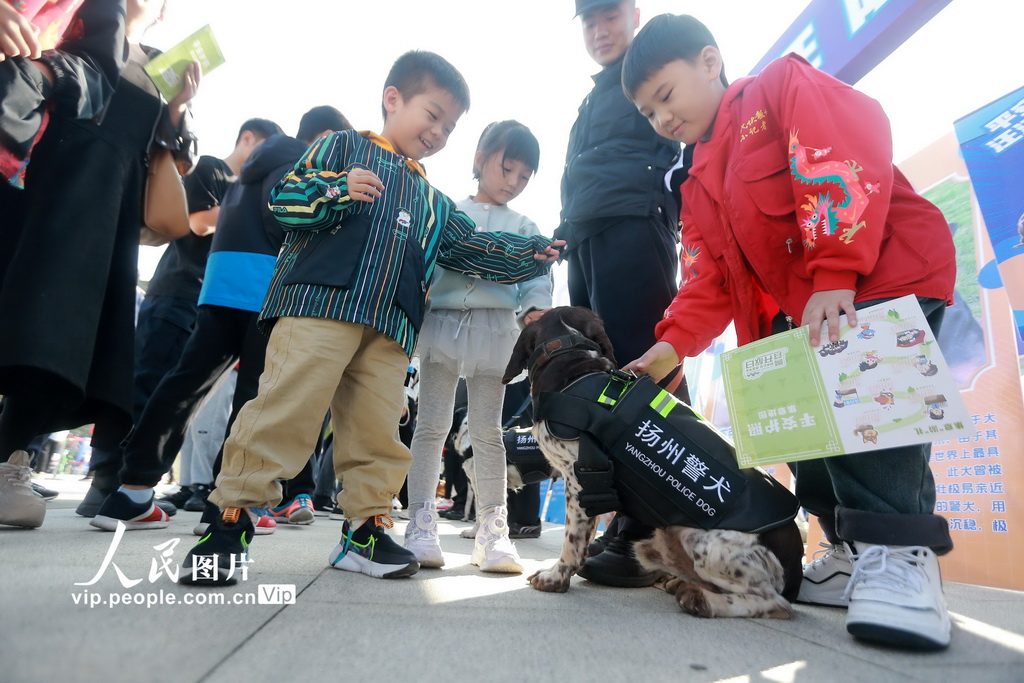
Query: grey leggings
point(436, 404)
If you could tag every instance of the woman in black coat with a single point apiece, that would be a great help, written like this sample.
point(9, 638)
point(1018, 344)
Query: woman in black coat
point(67, 286)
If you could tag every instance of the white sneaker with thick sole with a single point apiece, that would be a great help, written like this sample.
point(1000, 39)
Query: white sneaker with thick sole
point(421, 537)
point(492, 550)
point(895, 597)
point(826, 577)
point(19, 504)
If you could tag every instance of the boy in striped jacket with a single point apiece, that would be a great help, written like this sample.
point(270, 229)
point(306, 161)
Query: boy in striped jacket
point(364, 230)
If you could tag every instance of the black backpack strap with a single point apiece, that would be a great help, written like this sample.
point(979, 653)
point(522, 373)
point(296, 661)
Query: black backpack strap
point(595, 472)
point(596, 429)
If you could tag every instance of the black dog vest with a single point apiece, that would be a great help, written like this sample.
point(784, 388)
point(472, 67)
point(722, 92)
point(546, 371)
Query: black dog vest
point(523, 453)
point(644, 452)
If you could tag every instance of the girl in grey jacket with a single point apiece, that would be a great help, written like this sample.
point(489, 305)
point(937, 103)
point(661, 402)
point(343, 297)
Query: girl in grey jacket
point(469, 331)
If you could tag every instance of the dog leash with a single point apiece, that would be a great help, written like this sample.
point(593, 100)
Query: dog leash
point(519, 412)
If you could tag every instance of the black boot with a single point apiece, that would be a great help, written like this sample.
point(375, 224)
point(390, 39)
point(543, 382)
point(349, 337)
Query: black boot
point(598, 545)
point(616, 566)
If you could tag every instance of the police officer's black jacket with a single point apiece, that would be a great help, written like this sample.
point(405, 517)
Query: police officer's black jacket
point(615, 164)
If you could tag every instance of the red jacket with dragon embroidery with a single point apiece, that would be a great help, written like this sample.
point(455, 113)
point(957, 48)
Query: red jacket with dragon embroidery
point(794, 193)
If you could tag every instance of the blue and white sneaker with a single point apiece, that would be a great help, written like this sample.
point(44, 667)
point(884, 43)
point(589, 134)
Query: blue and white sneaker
point(369, 550)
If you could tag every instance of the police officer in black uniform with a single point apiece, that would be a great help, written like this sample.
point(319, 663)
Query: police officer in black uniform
point(620, 223)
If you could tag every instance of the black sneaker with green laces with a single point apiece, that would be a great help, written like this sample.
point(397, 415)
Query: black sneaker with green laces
point(222, 555)
point(369, 550)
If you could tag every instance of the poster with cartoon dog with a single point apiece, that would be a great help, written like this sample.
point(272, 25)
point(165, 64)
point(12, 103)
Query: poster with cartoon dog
point(883, 384)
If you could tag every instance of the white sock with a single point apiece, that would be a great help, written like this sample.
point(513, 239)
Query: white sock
point(354, 524)
point(138, 496)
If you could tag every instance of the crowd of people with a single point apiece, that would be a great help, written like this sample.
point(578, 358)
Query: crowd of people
point(281, 329)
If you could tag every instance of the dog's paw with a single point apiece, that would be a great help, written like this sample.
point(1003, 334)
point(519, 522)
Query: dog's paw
point(780, 609)
point(691, 600)
point(550, 581)
point(672, 584)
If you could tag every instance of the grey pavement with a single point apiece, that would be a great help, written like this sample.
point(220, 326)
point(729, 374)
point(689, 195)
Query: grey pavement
point(453, 623)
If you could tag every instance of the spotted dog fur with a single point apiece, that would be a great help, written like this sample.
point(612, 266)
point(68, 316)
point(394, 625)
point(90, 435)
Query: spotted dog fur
point(716, 573)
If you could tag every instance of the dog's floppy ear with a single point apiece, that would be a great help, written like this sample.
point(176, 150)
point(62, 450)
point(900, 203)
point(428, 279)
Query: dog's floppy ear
point(521, 353)
point(593, 329)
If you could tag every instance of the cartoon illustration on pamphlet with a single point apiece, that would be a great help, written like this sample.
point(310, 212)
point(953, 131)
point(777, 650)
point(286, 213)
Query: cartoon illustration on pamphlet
point(886, 398)
point(867, 432)
point(883, 384)
point(845, 397)
point(869, 361)
point(831, 349)
point(935, 406)
point(911, 337)
point(925, 366)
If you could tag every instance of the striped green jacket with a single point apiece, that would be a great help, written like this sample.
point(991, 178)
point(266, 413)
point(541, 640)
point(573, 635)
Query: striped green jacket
point(370, 263)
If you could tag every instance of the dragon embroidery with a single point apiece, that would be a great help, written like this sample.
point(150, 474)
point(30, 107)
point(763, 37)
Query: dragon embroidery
point(690, 255)
point(824, 213)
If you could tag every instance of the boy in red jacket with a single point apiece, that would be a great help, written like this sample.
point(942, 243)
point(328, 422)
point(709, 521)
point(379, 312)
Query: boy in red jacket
point(794, 214)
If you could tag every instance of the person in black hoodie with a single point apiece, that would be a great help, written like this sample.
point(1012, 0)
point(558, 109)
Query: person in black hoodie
point(242, 257)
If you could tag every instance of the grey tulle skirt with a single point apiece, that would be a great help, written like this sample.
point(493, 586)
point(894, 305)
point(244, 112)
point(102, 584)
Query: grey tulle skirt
point(468, 342)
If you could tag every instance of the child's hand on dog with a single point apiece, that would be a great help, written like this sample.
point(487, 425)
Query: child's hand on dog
point(659, 360)
point(534, 315)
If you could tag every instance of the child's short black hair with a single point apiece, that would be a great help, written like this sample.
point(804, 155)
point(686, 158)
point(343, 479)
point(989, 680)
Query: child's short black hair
point(261, 128)
point(664, 39)
point(517, 140)
point(417, 70)
point(318, 119)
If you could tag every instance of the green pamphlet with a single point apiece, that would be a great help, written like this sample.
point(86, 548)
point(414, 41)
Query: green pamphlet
point(883, 384)
point(166, 69)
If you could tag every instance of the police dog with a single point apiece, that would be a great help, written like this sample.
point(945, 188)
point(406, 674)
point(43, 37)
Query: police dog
point(712, 573)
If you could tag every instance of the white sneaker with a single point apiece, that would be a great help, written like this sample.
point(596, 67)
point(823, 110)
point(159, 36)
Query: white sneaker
point(826, 577)
point(895, 597)
point(421, 537)
point(19, 504)
point(493, 551)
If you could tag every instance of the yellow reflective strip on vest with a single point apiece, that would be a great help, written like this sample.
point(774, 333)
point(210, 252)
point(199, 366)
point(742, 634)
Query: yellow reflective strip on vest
point(668, 407)
point(656, 401)
point(605, 398)
point(663, 403)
